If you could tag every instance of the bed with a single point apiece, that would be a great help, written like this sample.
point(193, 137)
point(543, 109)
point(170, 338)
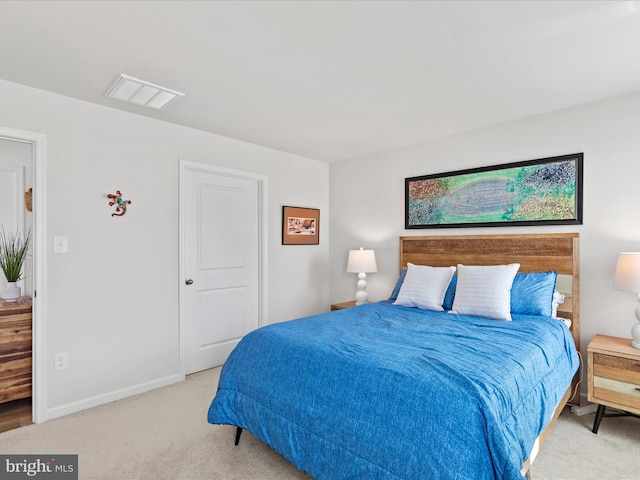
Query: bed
point(390, 391)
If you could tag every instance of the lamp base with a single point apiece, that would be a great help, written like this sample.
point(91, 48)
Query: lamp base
point(361, 295)
point(635, 334)
point(635, 330)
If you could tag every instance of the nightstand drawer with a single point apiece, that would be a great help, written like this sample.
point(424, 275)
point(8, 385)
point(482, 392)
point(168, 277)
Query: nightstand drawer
point(616, 368)
point(621, 393)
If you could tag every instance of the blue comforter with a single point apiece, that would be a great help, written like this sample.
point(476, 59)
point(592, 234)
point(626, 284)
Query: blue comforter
point(387, 392)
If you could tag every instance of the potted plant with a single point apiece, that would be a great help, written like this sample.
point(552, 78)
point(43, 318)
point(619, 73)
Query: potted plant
point(14, 249)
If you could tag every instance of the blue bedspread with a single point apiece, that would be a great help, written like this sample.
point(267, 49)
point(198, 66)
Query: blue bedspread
point(387, 392)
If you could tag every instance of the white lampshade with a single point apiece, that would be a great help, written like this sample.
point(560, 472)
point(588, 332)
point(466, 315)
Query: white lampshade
point(361, 262)
point(627, 278)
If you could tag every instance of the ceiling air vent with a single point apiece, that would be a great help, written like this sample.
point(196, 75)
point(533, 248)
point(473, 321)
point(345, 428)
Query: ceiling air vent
point(139, 92)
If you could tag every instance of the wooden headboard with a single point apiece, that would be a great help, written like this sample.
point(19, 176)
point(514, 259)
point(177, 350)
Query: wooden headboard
point(534, 253)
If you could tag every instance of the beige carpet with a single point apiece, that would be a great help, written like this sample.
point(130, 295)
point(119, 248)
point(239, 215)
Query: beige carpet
point(164, 435)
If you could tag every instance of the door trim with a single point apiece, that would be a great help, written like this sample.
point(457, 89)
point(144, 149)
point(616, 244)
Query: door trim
point(186, 166)
point(39, 271)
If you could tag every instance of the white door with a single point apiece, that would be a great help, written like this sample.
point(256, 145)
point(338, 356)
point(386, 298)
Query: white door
point(220, 300)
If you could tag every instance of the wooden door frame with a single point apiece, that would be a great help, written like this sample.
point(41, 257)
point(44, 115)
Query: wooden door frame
point(39, 350)
point(186, 166)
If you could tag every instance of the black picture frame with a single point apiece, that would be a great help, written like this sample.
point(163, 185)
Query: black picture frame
point(546, 191)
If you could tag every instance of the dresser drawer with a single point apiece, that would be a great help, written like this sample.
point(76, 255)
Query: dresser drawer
point(15, 332)
point(616, 380)
point(17, 384)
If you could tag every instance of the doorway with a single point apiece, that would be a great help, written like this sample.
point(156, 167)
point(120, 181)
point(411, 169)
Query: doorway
point(222, 261)
point(35, 284)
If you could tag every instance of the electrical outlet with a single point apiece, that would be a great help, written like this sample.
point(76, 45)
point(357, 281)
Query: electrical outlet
point(62, 361)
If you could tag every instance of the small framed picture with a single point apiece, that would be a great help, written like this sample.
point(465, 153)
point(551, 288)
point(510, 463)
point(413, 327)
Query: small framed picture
point(300, 226)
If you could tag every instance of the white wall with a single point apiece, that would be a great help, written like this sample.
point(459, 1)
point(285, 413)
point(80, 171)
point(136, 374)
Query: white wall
point(367, 199)
point(112, 301)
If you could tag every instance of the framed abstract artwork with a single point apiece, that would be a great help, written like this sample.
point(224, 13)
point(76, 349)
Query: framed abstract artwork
point(546, 191)
point(300, 226)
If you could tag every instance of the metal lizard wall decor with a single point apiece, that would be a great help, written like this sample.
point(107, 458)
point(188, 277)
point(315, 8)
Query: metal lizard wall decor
point(119, 202)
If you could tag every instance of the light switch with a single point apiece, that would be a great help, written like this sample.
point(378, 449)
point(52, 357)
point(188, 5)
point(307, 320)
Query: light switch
point(60, 245)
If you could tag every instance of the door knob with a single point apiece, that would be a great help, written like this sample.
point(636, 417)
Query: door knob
point(188, 281)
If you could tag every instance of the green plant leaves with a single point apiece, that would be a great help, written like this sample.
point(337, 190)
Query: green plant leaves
point(14, 249)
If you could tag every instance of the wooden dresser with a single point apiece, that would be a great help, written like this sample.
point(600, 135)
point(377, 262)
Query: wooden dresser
point(15, 349)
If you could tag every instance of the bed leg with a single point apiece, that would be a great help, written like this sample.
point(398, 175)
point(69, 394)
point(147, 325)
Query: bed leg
point(238, 433)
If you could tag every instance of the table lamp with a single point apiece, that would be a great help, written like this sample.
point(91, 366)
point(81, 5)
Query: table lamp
point(361, 262)
point(627, 278)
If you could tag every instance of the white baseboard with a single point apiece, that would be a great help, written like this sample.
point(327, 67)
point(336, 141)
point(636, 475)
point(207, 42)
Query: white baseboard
point(98, 400)
point(585, 407)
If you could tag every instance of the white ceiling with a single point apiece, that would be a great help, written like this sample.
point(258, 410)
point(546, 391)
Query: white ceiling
point(330, 80)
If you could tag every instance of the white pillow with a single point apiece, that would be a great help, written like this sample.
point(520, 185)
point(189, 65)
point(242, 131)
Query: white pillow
point(424, 287)
point(485, 291)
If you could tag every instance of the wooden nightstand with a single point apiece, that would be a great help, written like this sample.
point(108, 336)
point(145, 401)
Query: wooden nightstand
point(343, 305)
point(614, 376)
